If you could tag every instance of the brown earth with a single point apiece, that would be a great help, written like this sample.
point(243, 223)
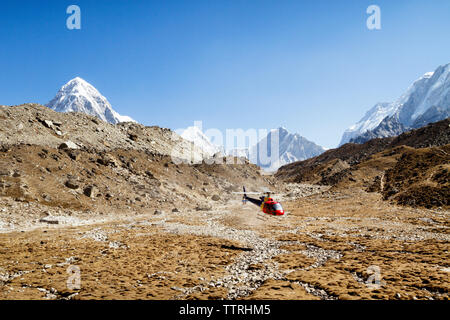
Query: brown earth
point(331, 247)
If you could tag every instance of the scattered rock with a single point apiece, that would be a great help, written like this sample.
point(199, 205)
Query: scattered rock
point(5, 172)
point(73, 154)
point(133, 136)
point(203, 208)
point(90, 191)
point(47, 123)
point(215, 197)
point(158, 212)
point(68, 145)
point(72, 184)
point(108, 160)
point(149, 174)
point(49, 221)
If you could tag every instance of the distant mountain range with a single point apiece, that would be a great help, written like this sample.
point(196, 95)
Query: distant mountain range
point(427, 100)
point(292, 147)
point(77, 95)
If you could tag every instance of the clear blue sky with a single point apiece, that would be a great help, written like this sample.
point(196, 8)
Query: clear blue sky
point(311, 66)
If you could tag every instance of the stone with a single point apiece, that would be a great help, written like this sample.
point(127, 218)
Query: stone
point(5, 172)
point(48, 123)
point(175, 210)
point(68, 145)
point(73, 154)
point(90, 191)
point(158, 212)
point(49, 221)
point(108, 160)
point(72, 184)
point(149, 174)
point(215, 197)
point(133, 136)
point(203, 208)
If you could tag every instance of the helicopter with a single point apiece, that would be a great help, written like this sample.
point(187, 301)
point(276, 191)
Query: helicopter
point(265, 202)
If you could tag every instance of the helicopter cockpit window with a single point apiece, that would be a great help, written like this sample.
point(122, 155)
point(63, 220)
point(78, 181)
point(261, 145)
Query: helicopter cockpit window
point(277, 207)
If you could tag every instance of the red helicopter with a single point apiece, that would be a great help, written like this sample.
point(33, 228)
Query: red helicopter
point(266, 203)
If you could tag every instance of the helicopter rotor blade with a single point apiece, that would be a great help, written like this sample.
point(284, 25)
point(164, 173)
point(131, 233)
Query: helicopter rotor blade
point(246, 192)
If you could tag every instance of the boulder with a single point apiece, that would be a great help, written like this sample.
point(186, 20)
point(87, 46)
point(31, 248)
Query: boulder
point(49, 220)
point(203, 208)
point(48, 123)
point(90, 191)
point(108, 160)
point(73, 154)
point(68, 145)
point(5, 172)
point(72, 184)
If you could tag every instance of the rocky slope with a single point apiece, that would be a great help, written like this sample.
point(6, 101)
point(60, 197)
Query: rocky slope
point(38, 125)
point(368, 166)
point(56, 162)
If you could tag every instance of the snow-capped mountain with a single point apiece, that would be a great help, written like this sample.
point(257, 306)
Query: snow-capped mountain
point(291, 147)
point(390, 126)
point(426, 100)
point(370, 121)
point(196, 135)
point(77, 95)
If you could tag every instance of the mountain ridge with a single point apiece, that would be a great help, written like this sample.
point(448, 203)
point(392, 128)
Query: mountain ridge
point(426, 100)
point(292, 147)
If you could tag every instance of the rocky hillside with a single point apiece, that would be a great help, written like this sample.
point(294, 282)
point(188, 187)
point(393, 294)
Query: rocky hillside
point(38, 125)
point(387, 165)
point(71, 161)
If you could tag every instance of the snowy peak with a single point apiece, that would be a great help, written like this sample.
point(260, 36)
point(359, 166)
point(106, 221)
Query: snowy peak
point(431, 91)
point(281, 147)
point(196, 136)
point(78, 95)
